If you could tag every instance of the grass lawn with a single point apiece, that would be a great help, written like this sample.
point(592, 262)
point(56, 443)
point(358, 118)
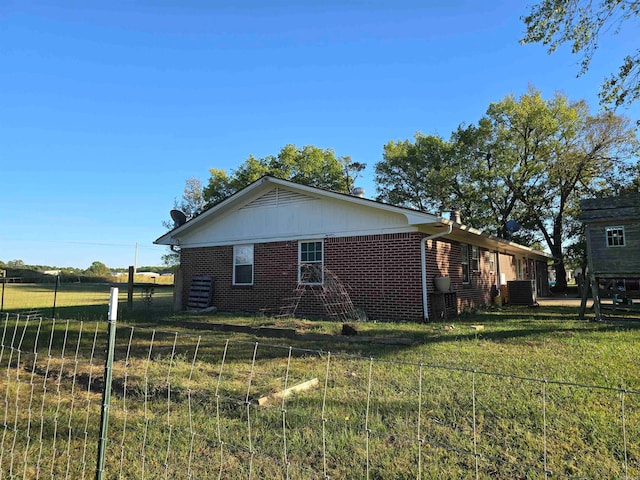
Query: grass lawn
point(84, 301)
point(534, 390)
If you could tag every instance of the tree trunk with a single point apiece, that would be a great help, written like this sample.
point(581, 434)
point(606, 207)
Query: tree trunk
point(561, 271)
point(561, 276)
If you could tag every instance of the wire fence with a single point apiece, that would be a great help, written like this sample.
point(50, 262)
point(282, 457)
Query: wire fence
point(197, 406)
point(80, 299)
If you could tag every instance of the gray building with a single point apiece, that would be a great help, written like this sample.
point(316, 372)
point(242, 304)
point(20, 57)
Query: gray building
point(612, 230)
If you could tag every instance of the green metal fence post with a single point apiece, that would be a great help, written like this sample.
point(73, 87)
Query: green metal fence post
point(106, 394)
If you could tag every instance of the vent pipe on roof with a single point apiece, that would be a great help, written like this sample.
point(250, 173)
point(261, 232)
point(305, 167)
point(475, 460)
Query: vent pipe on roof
point(455, 216)
point(357, 192)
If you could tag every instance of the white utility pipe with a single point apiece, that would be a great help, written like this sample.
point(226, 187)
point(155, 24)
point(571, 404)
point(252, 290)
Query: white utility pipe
point(423, 265)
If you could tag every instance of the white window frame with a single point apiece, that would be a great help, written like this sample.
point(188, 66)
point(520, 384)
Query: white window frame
point(236, 249)
point(302, 263)
point(464, 260)
point(617, 237)
point(474, 263)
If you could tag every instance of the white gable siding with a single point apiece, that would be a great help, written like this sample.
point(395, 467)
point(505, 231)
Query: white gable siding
point(282, 214)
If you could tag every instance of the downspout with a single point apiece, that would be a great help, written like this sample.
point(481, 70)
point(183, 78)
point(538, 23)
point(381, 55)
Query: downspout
point(423, 266)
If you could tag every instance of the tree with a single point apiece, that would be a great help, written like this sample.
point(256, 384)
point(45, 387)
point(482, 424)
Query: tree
point(579, 23)
point(352, 171)
point(414, 174)
point(191, 203)
point(219, 187)
point(460, 174)
point(481, 185)
point(528, 159)
point(98, 269)
point(308, 165)
point(560, 153)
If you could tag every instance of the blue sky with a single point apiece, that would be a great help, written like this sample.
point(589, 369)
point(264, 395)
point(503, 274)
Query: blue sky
point(106, 108)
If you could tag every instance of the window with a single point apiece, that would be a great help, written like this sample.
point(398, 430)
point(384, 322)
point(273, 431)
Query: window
point(492, 262)
point(464, 260)
point(519, 275)
point(243, 264)
point(475, 259)
point(310, 271)
point(615, 236)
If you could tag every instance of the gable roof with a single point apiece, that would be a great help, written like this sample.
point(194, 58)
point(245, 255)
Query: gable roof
point(262, 193)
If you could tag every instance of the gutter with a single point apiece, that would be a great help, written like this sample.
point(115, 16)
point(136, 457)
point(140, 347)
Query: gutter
point(423, 266)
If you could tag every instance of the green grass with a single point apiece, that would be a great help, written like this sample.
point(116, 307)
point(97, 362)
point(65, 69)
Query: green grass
point(84, 301)
point(532, 382)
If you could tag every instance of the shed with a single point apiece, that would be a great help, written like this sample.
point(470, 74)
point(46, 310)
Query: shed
point(612, 231)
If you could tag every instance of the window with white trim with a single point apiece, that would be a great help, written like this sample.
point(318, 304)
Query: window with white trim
point(615, 237)
point(243, 264)
point(311, 261)
point(464, 260)
point(475, 259)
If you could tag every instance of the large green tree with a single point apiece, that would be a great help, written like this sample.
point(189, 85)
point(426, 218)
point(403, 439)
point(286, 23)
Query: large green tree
point(415, 174)
point(462, 174)
point(557, 152)
point(580, 23)
point(528, 159)
point(308, 165)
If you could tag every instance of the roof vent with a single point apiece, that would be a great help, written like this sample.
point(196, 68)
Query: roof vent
point(455, 216)
point(357, 192)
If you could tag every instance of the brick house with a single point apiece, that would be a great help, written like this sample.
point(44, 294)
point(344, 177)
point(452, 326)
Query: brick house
point(274, 236)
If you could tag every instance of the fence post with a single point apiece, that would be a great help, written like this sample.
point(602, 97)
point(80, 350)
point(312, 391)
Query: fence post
point(55, 296)
point(4, 280)
point(130, 287)
point(106, 394)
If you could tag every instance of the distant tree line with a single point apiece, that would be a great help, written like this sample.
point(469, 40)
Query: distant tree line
point(97, 270)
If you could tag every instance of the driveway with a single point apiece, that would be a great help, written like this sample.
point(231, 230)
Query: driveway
point(564, 301)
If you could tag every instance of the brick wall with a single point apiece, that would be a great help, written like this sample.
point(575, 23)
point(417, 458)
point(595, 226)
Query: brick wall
point(275, 275)
point(445, 257)
point(380, 272)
